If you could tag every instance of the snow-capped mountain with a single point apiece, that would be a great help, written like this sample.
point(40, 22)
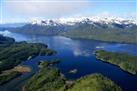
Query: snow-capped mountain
point(89, 20)
point(111, 29)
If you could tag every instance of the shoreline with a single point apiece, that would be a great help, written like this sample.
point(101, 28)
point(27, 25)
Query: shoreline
point(102, 60)
point(91, 39)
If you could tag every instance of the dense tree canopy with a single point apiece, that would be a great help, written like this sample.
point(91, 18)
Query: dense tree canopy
point(13, 53)
point(124, 61)
point(94, 82)
point(49, 79)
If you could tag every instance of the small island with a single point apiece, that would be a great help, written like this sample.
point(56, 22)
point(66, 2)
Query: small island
point(125, 61)
point(45, 63)
point(49, 78)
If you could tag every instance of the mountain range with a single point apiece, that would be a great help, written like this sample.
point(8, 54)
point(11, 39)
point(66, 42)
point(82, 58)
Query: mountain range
point(112, 29)
point(72, 21)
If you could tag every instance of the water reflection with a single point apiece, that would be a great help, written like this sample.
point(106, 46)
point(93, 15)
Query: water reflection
point(77, 47)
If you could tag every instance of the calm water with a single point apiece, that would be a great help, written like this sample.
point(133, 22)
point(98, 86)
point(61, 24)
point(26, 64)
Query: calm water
point(77, 54)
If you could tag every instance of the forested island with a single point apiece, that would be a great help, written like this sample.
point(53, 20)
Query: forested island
point(13, 53)
point(50, 79)
point(125, 61)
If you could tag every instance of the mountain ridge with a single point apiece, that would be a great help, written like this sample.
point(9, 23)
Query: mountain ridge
point(105, 29)
point(71, 21)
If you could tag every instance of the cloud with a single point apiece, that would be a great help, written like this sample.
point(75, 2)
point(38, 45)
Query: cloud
point(5, 33)
point(45, 8)
point(79, 52)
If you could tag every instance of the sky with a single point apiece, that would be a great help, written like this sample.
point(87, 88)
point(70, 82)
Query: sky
point(12, 11)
